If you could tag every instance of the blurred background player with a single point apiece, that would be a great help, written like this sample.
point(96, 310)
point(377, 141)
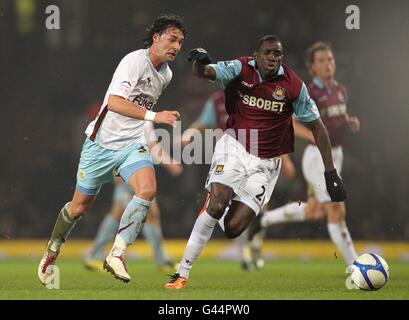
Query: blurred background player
point(331, 98)
point(122, 194)
point(214, 116)
point(261, 96)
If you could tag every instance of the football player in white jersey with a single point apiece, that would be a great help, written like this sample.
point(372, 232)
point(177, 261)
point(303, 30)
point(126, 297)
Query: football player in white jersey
point(115, 143)
point(152, 231)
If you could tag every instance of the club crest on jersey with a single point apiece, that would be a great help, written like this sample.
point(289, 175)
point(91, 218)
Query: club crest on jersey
point(279, 93)
point(81, 174)
point(228, 63)
point(148, 81)
point(219, 169)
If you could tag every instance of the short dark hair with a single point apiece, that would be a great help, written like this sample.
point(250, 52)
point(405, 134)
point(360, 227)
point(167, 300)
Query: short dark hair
point(310, 52)
point(161, 24)
point(269, 38)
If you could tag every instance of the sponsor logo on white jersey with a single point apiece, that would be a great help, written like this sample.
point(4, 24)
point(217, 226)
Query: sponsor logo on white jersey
point(142, 100)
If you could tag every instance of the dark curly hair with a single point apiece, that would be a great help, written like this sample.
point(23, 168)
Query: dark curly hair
point(161, 24)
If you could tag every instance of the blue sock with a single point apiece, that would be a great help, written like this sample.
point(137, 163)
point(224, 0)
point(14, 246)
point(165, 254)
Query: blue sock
point(106, 233)
point(133, 219)
point(153, 234)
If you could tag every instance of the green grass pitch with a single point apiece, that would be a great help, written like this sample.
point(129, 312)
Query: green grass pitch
point(209, 280)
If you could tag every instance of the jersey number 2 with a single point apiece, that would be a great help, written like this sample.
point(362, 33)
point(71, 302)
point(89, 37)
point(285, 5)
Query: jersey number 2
point(260, 196)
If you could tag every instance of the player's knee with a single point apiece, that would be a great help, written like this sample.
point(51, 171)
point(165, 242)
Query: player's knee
point(146, 193)
point(217, 206)
point(314, 213)
point(78, 209)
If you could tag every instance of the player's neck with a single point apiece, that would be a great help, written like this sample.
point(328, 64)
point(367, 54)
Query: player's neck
point(327, 82)
point(156, 61)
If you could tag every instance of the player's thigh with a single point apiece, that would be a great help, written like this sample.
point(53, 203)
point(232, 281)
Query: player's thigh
point(313, 170)
point(238, 218)
point(136, 169)
point(154, 214)
point(314, 210)
point(228, 168)
point(143, 182)
point(335, 211)
point(257, 187)
point(95, 168)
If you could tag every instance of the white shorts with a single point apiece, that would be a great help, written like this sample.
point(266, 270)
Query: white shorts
point(252, 179)
point(313, 170)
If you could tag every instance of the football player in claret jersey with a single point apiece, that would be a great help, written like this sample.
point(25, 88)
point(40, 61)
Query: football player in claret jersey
point(214, 116)
point(331, 98)
point(261, 94)
point(116, 143)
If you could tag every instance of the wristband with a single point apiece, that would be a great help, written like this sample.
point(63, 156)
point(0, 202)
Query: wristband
point(149, 115)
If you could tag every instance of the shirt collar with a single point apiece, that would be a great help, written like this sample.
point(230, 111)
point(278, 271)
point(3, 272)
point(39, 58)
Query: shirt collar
point(163, 66)
point(319, 83)
point(279, 72)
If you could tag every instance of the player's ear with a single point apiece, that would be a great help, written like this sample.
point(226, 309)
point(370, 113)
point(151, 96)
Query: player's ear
point(155, 37)
point(255, 54)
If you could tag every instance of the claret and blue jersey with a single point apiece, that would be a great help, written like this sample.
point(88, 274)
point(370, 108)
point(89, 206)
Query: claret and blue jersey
point(265, 105)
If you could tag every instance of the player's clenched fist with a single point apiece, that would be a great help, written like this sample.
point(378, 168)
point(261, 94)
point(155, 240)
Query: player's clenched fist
point(167, 117)
point(200, 55)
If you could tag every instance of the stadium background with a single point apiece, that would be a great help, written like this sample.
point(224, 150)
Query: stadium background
point(49, 78)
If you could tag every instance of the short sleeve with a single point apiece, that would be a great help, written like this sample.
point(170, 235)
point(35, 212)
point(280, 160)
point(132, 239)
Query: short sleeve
point(126, 75)
point(305, 108)
point(208, 114)
point(226, 71)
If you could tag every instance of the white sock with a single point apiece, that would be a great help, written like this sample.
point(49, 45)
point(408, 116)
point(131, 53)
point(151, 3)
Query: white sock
point(201, 233)
point(342, 239)
point(289, 213)
point(119, 247)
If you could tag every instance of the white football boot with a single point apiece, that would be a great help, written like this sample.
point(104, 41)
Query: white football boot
point(117, 266)
point(45, 268)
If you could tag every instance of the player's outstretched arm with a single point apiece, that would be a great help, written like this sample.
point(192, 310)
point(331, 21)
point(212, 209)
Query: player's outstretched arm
point(200, 67)
point(302, 132)
point(122, 106)
point(334, 184)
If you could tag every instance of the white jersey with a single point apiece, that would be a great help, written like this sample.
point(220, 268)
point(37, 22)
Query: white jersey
point(139, 82)
point(149, 133)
